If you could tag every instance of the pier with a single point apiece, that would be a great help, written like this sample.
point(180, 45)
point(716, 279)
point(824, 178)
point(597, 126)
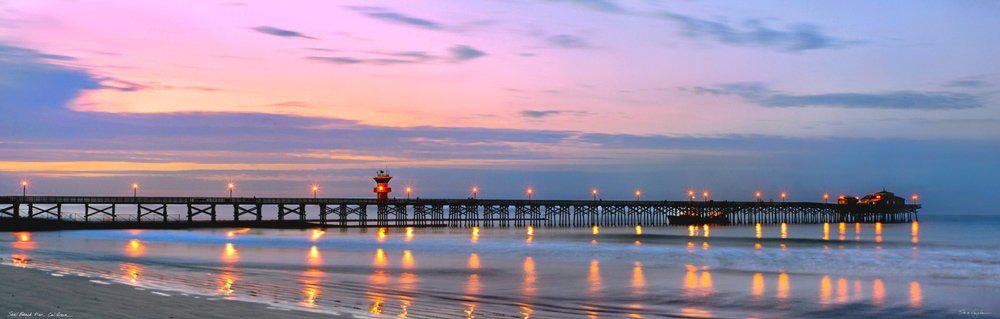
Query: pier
point(333, 212)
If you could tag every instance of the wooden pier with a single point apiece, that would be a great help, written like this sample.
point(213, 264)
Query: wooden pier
point(450, 212)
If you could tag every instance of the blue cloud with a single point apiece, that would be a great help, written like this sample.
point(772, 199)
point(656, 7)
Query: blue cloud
point(387, 15)
point(599, 5)
point(538, 114)
point(280, 32)
point(462, 53)
point(797, 38)
point(761, 94)
point(568, 41)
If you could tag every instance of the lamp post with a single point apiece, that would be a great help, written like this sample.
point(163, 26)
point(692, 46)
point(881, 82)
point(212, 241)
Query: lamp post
point(595, 194)
point(914, 199)
point(474, 191)
point(135, 189)
point(706, 196)
point(408, 193)
point(315, 189)
point(231, 190)
point(825, 197)
point(691, 195)
point(24, 188)
point(782, 197)
point(637, 196)
point(758, 196)
point(529, 194)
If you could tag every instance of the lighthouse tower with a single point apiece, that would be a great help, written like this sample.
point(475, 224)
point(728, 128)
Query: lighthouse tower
point(382, 188)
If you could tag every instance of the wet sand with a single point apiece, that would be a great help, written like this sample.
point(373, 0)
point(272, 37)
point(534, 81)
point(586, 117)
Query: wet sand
point(31, 293)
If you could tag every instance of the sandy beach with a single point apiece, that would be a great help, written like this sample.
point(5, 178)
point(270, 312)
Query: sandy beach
point(31, 293)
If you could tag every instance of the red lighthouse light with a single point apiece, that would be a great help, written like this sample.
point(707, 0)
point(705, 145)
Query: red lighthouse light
point(382, 188)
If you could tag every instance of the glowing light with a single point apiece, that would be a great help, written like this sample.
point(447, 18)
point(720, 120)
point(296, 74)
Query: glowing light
point(23, 236)
point(758, 285)
point(529, 276)
point(595, 191)
point(705, 245)
point(843, 228)
point(233, 233)
point(691, 230)
point(825, 290)
point(380, 258)
point(231, 185)
point(314, 257)
point(878, 292)
point(24, 183)
point(757, 245)
point(915, 227)
point(230, 255)
point(376, 307)
point(135, 248)
point(758, 230)
point(382, 233)
point(826, 231)
point(783, 286)
point(857, 228)
point(474, 261)
point(472, 285)
point(408, 259)
point(638, 280)
point(317, 233)
point(706, 229)
point(134, 186)
point(475, 234)
point(638, 229)
point(409, 233)
point(706, 280)
point(595, 229)
point(784, 230)
point(531, 230)
point(878, 228)
point(132, 272)
point(916, 298)
point(408, 189)
point(594, 279)
point(841, 290)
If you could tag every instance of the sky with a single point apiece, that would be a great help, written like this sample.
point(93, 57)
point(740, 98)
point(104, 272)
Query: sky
point(561, 96)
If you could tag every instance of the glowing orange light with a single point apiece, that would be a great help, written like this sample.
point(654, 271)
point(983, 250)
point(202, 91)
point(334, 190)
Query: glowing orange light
point(758, 230)
point(638, 229)
point(826, 231)
point(408, 189)
point(529, 276)
point(915, 228)
point(843, 228)
point(314, 257)
point(408, 259)
point(826, 196)
point(380, 258)
point(825, 290)
point(531, 230)
point(233, 233)
point(376, 308)
point(637, 193)
point(691, 230)
point(758, 284)
point(475, 189)
point(380, 188)
point(638, 280)
point(474, 261)
point(595, 277)
point(878, 292)
point(782, 195)
point(529, 191)
point(841, 290)
point(382, 233)
point(758, 194)
point(595, 192)
point(409, 233)
point(24, 183)
point(23, 236)
point(231, 185)
point(315, 188)
point(706, 229)
point(595, 229)
point(916, 297)
point(475, 234)
point(757, 245)
point(317, 233)
point(230, 255)
point(782, 286)
point(135, 248)
point(878, 228)
point(857, 228)
point(784, 230)
point(706, 194)
point(135, 185)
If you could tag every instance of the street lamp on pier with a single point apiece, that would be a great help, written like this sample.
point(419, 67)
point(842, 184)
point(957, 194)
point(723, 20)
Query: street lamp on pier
point(706, 196)
point(135, 189)
point(529, 194)
point(315, 189)
point(595, 194)
point(758, 196)
point(408, 193)
point(231, 186)
point(825, 197)
point(691, 195)
point(914, 199)
point(782, 197)
point(474, 191)
point(24, 188)
point(637, 195)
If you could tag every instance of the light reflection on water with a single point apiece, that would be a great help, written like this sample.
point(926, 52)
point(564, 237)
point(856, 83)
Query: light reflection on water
point(519, 279)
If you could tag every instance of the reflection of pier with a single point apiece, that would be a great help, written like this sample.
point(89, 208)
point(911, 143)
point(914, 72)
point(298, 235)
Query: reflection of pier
point(452, 212)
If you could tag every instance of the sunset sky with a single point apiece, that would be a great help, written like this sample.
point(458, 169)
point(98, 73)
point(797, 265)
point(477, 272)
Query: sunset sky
point(729, 97)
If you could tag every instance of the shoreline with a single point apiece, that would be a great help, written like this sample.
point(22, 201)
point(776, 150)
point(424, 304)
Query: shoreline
point(29, 292)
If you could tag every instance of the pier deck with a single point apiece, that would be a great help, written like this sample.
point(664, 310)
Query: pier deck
point(450, 212)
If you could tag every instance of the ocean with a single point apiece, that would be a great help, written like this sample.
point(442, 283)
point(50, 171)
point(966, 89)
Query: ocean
point(941, 266)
